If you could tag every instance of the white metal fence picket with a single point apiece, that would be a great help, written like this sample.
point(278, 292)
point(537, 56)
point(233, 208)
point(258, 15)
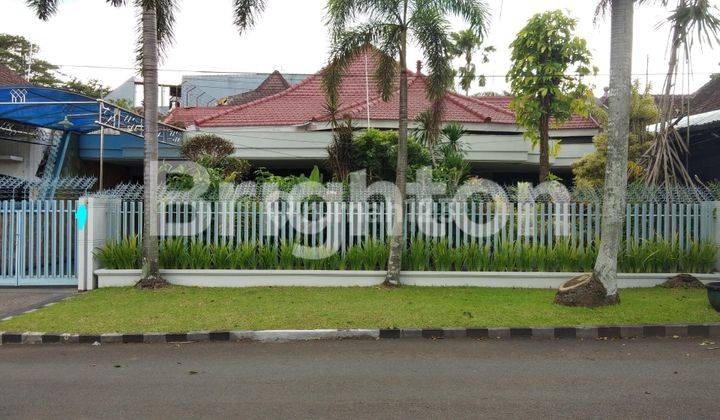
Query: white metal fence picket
point(350, 223)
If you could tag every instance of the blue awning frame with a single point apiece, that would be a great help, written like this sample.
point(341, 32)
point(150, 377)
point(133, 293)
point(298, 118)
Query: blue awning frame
point(61, 110)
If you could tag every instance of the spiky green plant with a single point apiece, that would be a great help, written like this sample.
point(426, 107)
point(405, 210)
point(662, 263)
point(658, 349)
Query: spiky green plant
point(476, 258)
point(123, 255)
point(222, 256)
point(354, 258)
point(199, 256)
point(416, 257)
point(267, 257)
point(441, 256)
point(286, 259)
point(173, 253)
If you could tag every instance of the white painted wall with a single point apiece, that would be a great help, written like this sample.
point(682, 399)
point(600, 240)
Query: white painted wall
point(299, 143)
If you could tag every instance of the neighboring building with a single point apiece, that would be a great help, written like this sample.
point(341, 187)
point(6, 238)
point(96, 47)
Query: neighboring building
point(212, 89)
point(131, 91)
point(291, 129)
point(275, 83)
point(704, 135)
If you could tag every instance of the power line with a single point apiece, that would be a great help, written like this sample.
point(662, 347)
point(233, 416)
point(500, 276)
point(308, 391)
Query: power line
point(362, 75)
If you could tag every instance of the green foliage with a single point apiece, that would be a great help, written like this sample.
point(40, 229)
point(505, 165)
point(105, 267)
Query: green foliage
point(416, 257)
point(590, 170)
point(172, 253)
point(213, 153)
point(354, 258)
point(542, 53)
point(222, 256)
point(649, 256)
point(451, 166)
point(286, 183)
point(376, 151)
point(15, 52)
point(464, 44)
point(123, 255)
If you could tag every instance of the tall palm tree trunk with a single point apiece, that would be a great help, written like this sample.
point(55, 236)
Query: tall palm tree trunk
point(617, 147)
point(392, 278)
point(151, 270)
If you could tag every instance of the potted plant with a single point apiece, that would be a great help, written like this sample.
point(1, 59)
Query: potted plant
point(713, 291)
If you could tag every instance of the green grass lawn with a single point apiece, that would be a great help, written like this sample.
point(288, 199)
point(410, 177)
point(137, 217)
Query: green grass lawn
point(181, 309)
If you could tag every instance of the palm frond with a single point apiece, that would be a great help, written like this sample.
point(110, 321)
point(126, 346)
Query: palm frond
point(431, 30)
point(475, 12)
point(44, 9)
point(246, 13)
point(346, 46)
point(165, 16)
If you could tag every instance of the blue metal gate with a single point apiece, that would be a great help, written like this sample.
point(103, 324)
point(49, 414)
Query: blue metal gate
point(38, 243)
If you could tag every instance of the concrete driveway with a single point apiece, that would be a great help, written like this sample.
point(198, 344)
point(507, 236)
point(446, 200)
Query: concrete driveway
point(14, 301)
point(650, 378)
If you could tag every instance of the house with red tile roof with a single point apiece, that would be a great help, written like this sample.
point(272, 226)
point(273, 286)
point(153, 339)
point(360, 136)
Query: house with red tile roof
point(9, 77)
point(291, 128)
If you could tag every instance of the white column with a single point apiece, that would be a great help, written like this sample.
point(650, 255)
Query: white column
point(93, 236)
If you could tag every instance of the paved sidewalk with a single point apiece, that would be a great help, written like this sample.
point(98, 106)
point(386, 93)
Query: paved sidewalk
point(414, 378)
point(14, 301)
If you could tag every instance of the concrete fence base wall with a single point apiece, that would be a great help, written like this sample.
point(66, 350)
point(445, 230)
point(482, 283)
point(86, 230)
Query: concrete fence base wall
point(307, 278)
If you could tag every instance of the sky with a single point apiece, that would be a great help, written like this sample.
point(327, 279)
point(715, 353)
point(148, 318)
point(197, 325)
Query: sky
point(291, 37)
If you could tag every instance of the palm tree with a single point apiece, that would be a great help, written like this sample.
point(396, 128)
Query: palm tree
point(389, 25)
point(615, 190)
point(157, 18)
point(465, 43)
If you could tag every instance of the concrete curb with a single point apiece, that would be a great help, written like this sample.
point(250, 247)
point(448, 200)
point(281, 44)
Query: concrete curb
point(546, 333)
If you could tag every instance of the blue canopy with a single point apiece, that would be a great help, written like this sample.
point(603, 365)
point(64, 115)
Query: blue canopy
point(49, 108)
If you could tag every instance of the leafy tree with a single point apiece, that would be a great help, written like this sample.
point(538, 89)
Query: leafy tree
point(156, 25)
point(544, 50)
point(465, 43)
point(590, 170)
point(18, 53)
point(213, 153)
point(92, 88)
point(375, 151)
point(389, 25)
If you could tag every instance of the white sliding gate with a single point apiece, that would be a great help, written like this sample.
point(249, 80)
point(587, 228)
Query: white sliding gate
point(38, 243)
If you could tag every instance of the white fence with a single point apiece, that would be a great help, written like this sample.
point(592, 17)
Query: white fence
point(346, 224)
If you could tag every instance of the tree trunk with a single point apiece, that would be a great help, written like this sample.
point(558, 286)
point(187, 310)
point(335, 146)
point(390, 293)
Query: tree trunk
point(544, 147)
point(615, 194)
point(151, 270)
point(392, 278)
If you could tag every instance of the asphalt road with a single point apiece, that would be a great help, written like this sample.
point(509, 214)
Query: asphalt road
point(661, 378)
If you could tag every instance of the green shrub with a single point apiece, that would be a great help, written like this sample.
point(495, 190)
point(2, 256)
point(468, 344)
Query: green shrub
point(442, 256)
point(267, 257)
point(172, 253)
point(416, 257)
point(199, 256)
point(222, 257)
point(648, 256)
point(354, 258)
point(375, 256)
point(286, 259)
point(244, 256)
point(123, 255)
